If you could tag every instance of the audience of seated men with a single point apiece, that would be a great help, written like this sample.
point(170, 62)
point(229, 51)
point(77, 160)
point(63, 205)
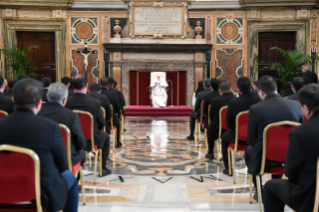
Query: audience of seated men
point(9, 92)
point(24, 129)
point(298, 191)
point(296, 84)
point(197, 110)
point(81, 101)
point(46, 84)
point(54, 109)
point(95, 92)
point(272, 108)
point(6, 103)
point(216, 104)
point(67, 81)
point(208, 98)
point(246, 99)
point(115, 102)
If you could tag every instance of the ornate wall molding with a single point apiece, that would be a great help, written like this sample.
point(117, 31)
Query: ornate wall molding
point(84, 28)
point(314, 29)
point(32, 4)
point(229, 31)
point(284, 4)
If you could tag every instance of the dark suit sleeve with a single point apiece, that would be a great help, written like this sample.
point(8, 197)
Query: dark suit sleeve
point(214, 114)
point(197, 104)
point(294, 158)
point(231, 117)
point(78, 138)
point(252, 127)
point(108, 114)
point(58, 150)
point(117, 106)
point(206, 104)
point(10, 107)
point(122, 100)
point(100, 118)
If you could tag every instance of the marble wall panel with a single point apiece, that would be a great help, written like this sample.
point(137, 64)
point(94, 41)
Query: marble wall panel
point(208, 30)
point(106, 30)
point(79, 61)
point(229, 65)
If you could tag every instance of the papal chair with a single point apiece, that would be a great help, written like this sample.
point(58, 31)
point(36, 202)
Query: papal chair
point(113, 128)
point(222, 126)
point(275, 145)
point(3, 113)
point(87, 125)
point(77, 168)
point(19, 179)
point(200, 121)
point(241, 134)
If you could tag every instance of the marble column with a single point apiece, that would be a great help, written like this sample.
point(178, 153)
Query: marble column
point(198, 75)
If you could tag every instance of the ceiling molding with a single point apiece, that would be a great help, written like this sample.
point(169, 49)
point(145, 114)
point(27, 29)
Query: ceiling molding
point(280, 4)
point(100, 5)
point(36, 4)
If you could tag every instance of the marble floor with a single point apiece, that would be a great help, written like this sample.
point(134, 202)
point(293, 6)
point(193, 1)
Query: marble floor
point(158, 170)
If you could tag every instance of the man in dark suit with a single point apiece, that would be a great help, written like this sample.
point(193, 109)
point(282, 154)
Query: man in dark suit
point(296, 84)
point(272, 109)
point(216, 104)
point(120, 95)
point(24, 129)
point(246, 99)
point(197, 110)
point(208, 98)
point(9, 92)
point(298, 191)
point(46, 84)
point(67, 82)
point(6, 103)
point(115, 102)
point(309, 76)
point(54, 110)
point(81, 101)
point(95, 92)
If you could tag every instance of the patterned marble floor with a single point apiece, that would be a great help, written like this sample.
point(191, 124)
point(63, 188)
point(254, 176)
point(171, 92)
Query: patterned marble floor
point(158, 170)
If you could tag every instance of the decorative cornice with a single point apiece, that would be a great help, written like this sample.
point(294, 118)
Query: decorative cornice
point(280, 4)
point(182, 48)
point(36, 4)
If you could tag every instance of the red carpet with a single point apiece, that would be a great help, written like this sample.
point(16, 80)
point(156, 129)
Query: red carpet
point(146, 110)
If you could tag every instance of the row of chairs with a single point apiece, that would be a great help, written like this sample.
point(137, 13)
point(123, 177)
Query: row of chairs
point(275, 145)
point(87, 125)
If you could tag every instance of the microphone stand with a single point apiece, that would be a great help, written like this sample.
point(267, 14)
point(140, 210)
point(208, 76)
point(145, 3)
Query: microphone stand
point(171, 92)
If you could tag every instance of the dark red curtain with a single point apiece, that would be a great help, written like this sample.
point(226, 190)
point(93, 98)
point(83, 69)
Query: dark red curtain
point(139, 87)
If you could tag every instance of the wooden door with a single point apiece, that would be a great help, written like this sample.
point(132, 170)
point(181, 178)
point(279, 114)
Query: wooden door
point(44, 57)
point(284, 40)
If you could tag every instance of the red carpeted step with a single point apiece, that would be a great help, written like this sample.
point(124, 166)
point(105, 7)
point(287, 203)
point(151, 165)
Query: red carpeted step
point(145, 110)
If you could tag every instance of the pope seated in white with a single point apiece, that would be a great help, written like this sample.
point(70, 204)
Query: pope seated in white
point(159, 95)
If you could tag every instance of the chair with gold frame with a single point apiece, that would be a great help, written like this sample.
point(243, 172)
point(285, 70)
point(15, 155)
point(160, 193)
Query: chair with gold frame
point(87, 125)
point(200, 121)
point(222, 126)
point(3, 113)
point(29, 157)
point(275, 136)
point(241, 134)
point(76, 169)
point(113, 128)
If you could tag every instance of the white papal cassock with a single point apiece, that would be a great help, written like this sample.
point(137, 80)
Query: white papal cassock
point(159, 95)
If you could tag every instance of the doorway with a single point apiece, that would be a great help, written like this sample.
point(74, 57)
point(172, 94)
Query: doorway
point(44, 57)
point(284, 40)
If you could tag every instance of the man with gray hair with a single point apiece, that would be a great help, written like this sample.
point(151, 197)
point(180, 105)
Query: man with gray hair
point(197, 110)
point(54, 109)
point(308, 76)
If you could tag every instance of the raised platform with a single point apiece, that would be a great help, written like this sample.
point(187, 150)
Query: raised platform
point(145, 110)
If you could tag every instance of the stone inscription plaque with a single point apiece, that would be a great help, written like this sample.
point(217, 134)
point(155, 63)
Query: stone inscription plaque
point(34, 14)
point(158, 20)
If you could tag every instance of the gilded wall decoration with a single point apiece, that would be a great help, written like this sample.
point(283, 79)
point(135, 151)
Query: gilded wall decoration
point(84, 29)
point(229, 31)
point(314, 27)
point(229, 65)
